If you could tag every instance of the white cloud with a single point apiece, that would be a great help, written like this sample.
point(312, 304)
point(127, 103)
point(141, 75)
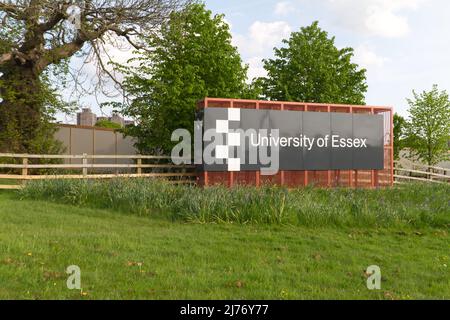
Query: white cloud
point(256, 68)
point(262, 36)
point(367, 58)
point(384, 18)
point(259, 42)
point(283, 8)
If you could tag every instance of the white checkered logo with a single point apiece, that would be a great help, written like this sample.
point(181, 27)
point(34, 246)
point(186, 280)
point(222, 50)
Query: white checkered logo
point(233, 140)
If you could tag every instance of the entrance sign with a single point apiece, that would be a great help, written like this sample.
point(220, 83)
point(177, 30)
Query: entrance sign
point(248, 139)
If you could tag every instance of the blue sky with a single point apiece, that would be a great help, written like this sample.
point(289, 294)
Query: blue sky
point(403, 44)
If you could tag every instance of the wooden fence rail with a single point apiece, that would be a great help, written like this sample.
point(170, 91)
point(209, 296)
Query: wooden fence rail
point(432, 174)
point(139, 169)
point(84, 156)
point(93, 166)
point(413, 165)
point(175, 173)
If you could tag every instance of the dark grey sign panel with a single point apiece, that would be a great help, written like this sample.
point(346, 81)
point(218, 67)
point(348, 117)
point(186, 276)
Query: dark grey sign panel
point(251, 123)
point(303, 140)
point(342, 126)
point(209, 121)
point(289, 123)
point(316, 126)
point(369, 127)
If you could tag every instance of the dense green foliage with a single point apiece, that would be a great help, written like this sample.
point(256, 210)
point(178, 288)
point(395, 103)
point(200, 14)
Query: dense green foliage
point(108, 124)
point(310, 68)
point(131, 257)
point(414, 205)
point(428, 129)
point(192, 58)
point(27, 115)
point(399, 135)
point(29, 100)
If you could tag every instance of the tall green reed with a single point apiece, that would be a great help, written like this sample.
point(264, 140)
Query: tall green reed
point(410, 205)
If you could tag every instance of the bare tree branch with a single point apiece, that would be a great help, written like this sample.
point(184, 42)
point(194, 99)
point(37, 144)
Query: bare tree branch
point(47, 38)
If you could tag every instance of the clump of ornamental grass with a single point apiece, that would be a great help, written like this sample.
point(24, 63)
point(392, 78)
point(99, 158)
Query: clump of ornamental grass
point(413, 205)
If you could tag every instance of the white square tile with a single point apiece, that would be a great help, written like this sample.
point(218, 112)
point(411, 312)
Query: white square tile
point(222, 126)
point(234, 139)
point(234, 114)
point(234, 165)
point(222, 152)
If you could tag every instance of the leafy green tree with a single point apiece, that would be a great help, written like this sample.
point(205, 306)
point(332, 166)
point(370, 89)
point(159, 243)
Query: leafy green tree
point(428, 129)
point(309, 67)
point(399, 135)
point(192, 58)
point(35, 133)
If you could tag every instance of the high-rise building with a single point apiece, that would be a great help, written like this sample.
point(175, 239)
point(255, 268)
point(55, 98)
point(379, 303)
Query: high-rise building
point(86, 118)
point(117, 119)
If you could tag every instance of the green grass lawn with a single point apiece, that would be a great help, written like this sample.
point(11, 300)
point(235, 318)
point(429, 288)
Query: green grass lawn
point(12, 182)
point(130, 257)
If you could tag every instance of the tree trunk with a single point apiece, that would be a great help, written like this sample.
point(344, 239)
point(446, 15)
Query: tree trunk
point(21, 108)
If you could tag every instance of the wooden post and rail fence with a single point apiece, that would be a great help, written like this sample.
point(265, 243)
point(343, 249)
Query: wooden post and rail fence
point(420, 173)
point(26, 167)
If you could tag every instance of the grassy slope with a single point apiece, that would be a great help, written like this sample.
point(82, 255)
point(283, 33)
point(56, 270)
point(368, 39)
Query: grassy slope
point(38, 240)
point(11, 182)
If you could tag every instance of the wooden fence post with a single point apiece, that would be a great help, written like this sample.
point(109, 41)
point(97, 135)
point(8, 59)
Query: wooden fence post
point(25, 168)
point(139, 163)
point(85, 163)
